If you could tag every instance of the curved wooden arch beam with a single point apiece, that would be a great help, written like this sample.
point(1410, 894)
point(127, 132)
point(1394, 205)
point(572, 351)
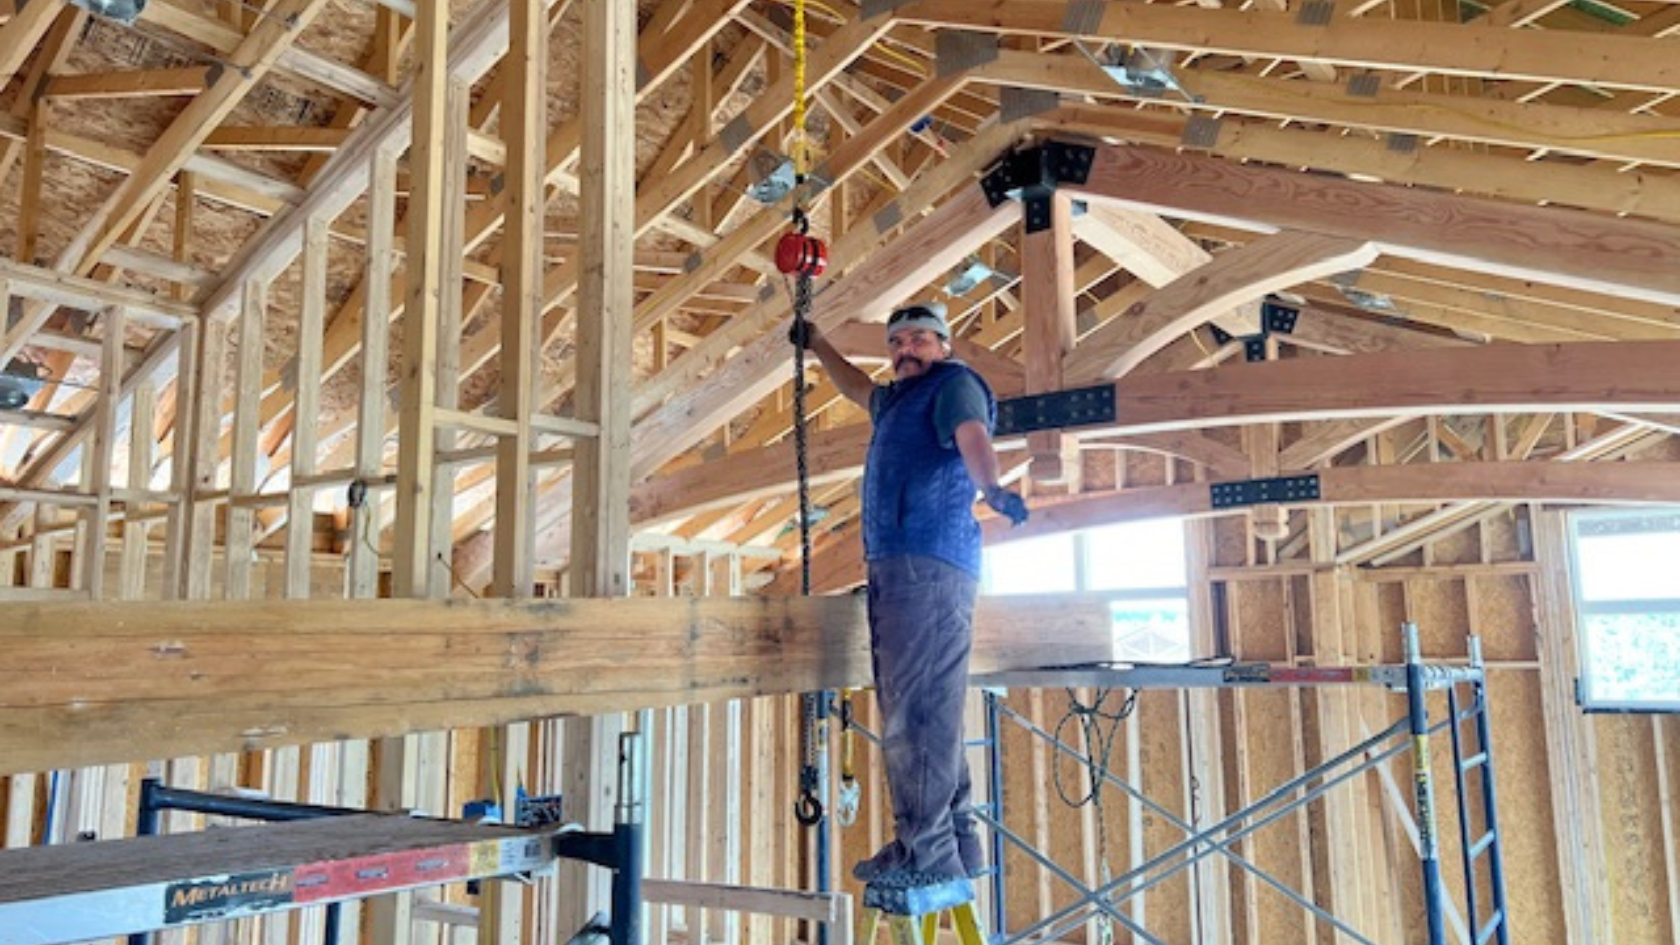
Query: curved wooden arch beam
point(838, 454)
point(1231, 279)
point(1636, 376)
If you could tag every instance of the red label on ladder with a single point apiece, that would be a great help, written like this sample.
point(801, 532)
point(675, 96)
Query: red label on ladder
point(344, 878)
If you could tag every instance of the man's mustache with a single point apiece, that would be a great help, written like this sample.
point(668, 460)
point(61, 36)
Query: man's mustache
point(909, 359)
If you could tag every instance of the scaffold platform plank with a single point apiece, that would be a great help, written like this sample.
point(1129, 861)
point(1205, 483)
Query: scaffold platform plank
point(74, 892)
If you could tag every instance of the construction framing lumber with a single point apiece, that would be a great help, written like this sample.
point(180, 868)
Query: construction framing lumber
point(1405, 45)
point(1624, 258)
point(1245, 275)
point(176, 679)
point(839, 564)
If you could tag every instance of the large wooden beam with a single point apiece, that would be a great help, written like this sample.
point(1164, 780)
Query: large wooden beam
point(1410, 45)
point(839, 564)
point(1593, 186)
point(1589, 132)
point(1490, 379)
point(1241, 275)
point(838, 454)
point(1616, 257)
point(90, 683)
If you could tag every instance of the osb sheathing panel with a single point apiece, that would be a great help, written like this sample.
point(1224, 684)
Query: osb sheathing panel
point(1502, 614)
point(1160, 726)
point(1525, 807)
point(1442, 617)
point(1628, 786)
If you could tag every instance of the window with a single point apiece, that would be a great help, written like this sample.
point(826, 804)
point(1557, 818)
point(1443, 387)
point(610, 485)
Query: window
point(1139, 566)
point(1626, 570)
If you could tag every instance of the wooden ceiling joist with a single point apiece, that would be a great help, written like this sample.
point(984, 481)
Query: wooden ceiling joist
point(1626, 258)
point(1405, 45)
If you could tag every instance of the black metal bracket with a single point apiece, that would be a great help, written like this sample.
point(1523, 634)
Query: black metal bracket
point(1281, 489)
point(1078, 407)
point(1031, 175)
point(1276, 318)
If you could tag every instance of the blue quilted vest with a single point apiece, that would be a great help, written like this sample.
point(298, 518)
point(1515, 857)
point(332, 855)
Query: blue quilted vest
point(917, 496)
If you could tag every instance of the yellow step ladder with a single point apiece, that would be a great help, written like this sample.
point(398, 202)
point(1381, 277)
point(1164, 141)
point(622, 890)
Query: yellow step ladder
point(914, 918)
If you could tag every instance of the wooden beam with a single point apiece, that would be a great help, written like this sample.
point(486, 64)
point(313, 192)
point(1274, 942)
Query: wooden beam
point(101, 451)
point(1491, 379)
point(1049, 327)
point(1410, 45)
point(1243, 275)
point(836, 455)
point(306, 368)
point(1588, 132)
point(276, 138)
point(174, 680)
point(413, 572)
point(1551, 182)
point(1556, 246)
point(481, 39)
point(20, 34)
point(1571, 746)
point(601, 467)
point(31, 192)
point(524, 123)
point(251, 61)
point(149, 83)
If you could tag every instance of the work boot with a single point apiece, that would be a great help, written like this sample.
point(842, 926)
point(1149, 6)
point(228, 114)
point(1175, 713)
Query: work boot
point(889, 858)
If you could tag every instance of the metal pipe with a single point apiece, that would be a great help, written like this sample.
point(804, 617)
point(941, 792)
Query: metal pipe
point(1112, 910)
point(627, 842)
point(248, 808)
point(1490, 814)
point(994, 790)
point(1423, 785)
point(1189, 830)
point(1109, 889)
point(1466, 841)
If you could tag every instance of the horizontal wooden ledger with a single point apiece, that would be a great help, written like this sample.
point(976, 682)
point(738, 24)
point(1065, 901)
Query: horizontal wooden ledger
point(89, 683)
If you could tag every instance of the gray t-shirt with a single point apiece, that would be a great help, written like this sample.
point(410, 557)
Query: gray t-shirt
point(960, 400)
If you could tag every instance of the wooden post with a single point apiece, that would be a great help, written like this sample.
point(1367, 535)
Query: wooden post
point(243, 480)
point(376, 336)
point(100, 451)
point(600, 519)
point(413, 571)
point(132, 572)
point(1047, 293)
point(524, 125)
point(1571, 745)
point(300, 505)
point(198, 463)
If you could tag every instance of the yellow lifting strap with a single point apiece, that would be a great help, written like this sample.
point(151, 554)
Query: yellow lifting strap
point(800, 156)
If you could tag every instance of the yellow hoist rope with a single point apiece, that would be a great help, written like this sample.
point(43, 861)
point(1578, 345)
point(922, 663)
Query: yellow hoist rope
point(799, 145)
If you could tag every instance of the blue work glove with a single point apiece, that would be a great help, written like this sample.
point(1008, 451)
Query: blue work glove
point(1007, 504)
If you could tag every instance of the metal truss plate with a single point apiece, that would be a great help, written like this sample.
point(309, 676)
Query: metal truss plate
point(1281, 490)
point(1016, 103)
point(1278, 319)
point(956, 51)
point(1081, 406)
point(1200, 131)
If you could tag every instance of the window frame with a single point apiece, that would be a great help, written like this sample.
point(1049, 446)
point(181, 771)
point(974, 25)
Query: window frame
point(1583, 609)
